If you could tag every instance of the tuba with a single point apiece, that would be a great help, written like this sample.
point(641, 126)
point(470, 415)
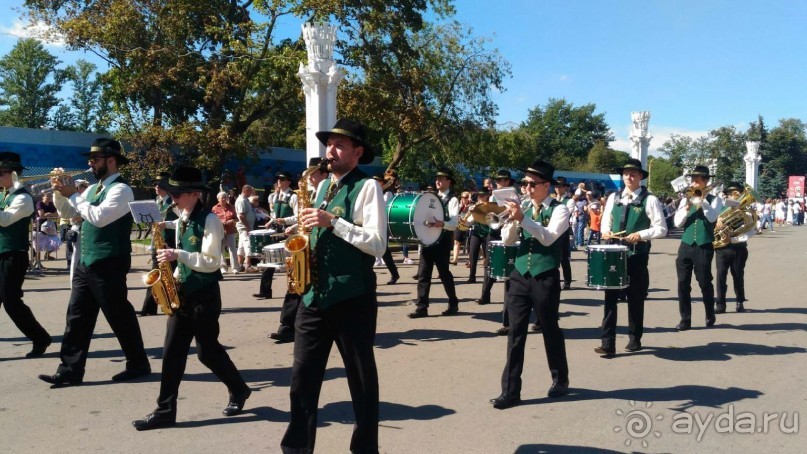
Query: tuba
point(298, 263)
point(737, 220)
point(161, 280)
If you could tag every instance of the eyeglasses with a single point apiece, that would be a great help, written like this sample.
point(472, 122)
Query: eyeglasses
point(532, 184)
point(93, 159)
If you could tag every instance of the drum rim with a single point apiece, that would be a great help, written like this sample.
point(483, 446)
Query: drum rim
point(606, 247)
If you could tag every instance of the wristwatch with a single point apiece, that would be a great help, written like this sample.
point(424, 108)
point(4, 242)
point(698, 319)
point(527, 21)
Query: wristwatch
point(334, 221)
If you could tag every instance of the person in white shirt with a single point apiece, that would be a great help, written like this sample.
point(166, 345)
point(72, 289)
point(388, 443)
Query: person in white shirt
point(733, 256)
point(246, 222)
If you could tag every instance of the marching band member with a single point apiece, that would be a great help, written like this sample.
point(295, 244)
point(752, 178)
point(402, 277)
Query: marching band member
point(503, 180)
point(282, 202)
point(349, 225)
point(562, 196)
point(732, 257)
point(199, 237)
point(637, 216)
point(99, 279)
point(16, 208)
point(439, 253)
point(164, 203)
point(697, 217)
point(478, 237)
point(388, 195)
point(535, 283)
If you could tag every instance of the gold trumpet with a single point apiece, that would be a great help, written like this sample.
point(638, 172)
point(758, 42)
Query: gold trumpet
point(53, 174)
point(696, 195)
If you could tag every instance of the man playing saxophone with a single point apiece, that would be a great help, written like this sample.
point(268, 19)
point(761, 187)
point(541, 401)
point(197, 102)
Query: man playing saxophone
point(199, 235)
point(733, 256)
point(349, 229)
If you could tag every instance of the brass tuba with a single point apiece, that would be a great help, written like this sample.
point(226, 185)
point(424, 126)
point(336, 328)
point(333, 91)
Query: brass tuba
point(737, 220)
point(298, 263)
point(161, 280)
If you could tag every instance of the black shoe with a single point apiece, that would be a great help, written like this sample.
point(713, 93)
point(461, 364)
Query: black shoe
point(236, 404)
point(633, 346)
point(536, 328)
point(471, 280)
point(503, 331)
point(606, 352)
point(710, 321)
point(558, 389)
point(740, 307)
point(416, 277)
point(393, 280)
point(60, 380)
point(505, 401)
point(147, 313)
point(38, 350)
point(683, 326)
point(261, 296)
point(282, 338)
point(452, 310)
point(419, 313)
point(567, 285)
point(720, 309)
point(154, 421)
point(131, 374)
point(481, 301)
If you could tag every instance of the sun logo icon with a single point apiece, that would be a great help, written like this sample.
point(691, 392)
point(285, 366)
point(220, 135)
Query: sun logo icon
point(638, 424)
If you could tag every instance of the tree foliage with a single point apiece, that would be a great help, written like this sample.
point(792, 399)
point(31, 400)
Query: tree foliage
point(29, 83)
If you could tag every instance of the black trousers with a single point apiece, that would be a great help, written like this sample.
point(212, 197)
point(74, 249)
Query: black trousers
point(288, 314)
point(390, 263)
point(197, 319)
point(100, 286)
point(351, 324)
point(13, 266)
point(437, 255)
point(731, 258)
point(265, 289)
point(475, 244)
point(699, 259)
point(542, 294)
point(636, 292)
point(566, 256)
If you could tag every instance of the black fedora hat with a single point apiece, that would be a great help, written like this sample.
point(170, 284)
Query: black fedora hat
point(504, 174)
point(321, 162)
point(445, 172)
point(10, 160)
point(161, 179)
point(185, 179)
point(108, 147)
point(283, 175)
point(355, 131)
point(633, 164)
point(732, 186)
point(700, 171)
point(544, 170)
point(483, 192)
point(561, 181)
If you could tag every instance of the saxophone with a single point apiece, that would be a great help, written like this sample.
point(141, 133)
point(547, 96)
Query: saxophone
point(161, 280)
point(298, 263)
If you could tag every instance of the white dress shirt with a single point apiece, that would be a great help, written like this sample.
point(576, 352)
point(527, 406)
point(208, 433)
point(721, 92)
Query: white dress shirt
point(558, 225)
point(368, 231)
point(653, 209)
point(710, 210)
point(19, 208)
point(114, 206)
point(451, 222)
point(289, 196)
point(209, 259)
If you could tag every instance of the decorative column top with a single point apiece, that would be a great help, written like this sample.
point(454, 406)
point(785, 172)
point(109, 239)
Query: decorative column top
point(319, 43)
point(752, 148)
point(640, 120)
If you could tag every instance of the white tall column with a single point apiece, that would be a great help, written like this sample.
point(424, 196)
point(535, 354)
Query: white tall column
point(320, 78)
point(640, 141)
point(752, 159)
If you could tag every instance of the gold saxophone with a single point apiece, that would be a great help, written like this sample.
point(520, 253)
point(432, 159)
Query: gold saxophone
point(161, 280)
point(298, 263)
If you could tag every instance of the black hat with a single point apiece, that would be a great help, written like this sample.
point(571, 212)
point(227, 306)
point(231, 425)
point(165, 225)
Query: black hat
point(161, 179)
point(185, 179)
point(483, 192)
point(378, 178)
point(355, 131)
point(732, 186)
point(545, 171)
point(321, 162)
point(283, 175)
point(504, 173)
point(634, 164)
point(107, 147)
point(445, 172)
point(561, 181)
point(700, 171)
point(10, 160)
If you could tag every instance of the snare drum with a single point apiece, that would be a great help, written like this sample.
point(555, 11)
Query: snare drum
point(260, 238)
point(502, 260)
point(274, 256)
point(407, 214)
point(608, 266)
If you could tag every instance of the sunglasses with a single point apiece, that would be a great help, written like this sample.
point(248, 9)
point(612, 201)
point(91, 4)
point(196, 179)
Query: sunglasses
point(96, 158)
point(532, 184)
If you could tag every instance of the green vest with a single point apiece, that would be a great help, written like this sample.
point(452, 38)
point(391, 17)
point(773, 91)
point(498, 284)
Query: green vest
point(637, 218)
point(480, 230)
point(112, 240)
point(190, 239)
point(168, 215)
point(533, 258)
point(697, 230)
point(282, 208)
point(14, 237)
point(339, 270)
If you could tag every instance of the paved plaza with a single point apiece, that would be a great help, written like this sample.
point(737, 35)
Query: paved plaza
point(738, 387)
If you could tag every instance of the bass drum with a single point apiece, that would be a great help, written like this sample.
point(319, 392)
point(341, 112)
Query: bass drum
point(407, 214)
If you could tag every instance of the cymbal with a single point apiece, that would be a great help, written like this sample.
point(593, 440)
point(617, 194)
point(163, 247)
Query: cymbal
point(481, 210)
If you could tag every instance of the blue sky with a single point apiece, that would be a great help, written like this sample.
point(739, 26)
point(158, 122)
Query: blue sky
point(695, 65)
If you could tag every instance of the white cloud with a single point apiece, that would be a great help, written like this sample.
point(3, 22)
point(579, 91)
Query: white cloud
point(38, 30)
point(659, 134)
point(564, 78)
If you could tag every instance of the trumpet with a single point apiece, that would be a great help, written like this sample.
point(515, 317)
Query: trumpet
point(54, 174)
point(696, 195)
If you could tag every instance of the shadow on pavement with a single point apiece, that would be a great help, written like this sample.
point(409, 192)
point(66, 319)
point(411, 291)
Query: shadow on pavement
point(389, 340)
point(342, 413)
point(549, 449)
point(718, 351)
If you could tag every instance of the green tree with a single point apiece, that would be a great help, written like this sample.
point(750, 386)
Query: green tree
point(603, 159)
point(29, 83)
point(662, 173)
point(86, 101)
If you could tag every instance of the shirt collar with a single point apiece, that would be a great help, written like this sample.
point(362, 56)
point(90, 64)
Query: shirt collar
point(443, 194)
point(339, 180)
point(109, 178)
point(635, 193)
